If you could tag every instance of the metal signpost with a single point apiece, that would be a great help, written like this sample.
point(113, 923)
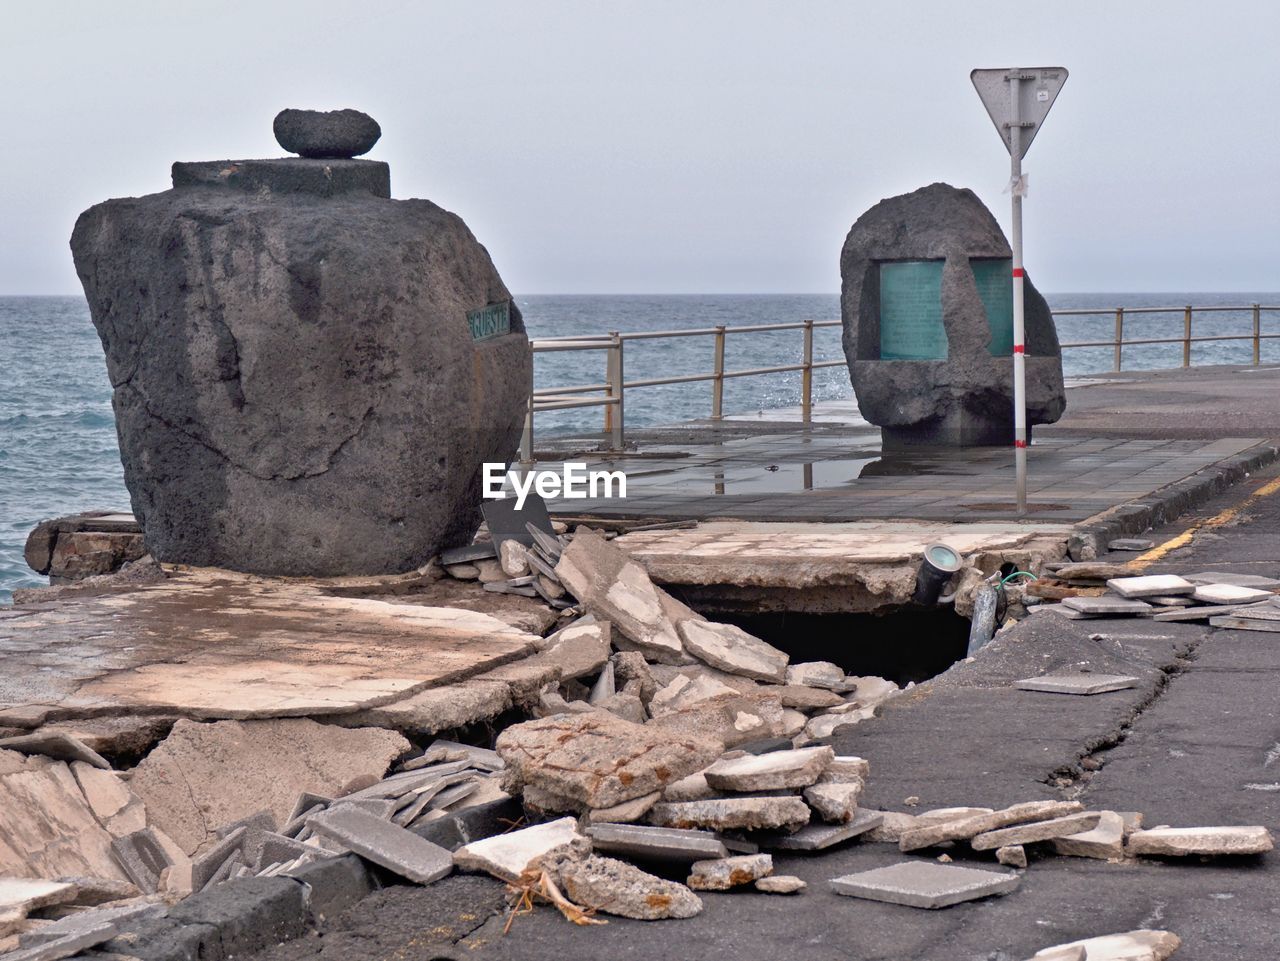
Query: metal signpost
point(1018, 99)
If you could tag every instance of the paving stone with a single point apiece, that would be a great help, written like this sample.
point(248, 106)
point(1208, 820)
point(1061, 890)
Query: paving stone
point(1247, 623)
point(1150, 585)
point(1076, 683)
point(770, 772)
point(18, 896)
point(599, 760)
point(66, 946)
point(780, 884)
point(656, 844)
point(722, 874)
point(927, 835)
point(615, 887)
point(144, 855)
point(925, 884)
point(400, 851)
point(1036, 831)
point(1012, 855)
point(1174, 842)
point(136, 909)
point(1240, 580)
point(1107, 606)
point(818, 837)
point(55, 744)
point(732, 649)
point(1230, 594)
point(733, 814)
point(1105, 841)
point(481, 551)
point(1141, 945)
point(1165, 600)
point(835, 803)
point(508, 856)
point(1130, 544)
point(206, 866)
point(821, 674)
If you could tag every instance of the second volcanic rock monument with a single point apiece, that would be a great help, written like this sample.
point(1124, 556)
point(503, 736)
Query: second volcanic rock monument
point(927, 305)
point(307, 374)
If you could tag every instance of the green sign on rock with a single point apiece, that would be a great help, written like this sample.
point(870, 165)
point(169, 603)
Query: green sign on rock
point(911, 311)
point(995, 287)
point(491, 321)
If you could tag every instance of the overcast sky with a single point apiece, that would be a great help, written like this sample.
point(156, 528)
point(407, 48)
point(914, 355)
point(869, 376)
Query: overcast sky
point(678, 146)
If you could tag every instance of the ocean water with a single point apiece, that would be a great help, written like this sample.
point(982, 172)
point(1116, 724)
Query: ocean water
point(58, 451)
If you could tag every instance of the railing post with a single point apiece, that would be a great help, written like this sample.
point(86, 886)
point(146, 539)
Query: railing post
point(526, 437)
point(1186, 336)
point(806, 376)
point(615, 412)
point(1257, 335)
point(1119, 337)
point(717, 385)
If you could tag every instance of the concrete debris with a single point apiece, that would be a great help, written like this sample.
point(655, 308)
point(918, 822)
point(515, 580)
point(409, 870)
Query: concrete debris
point(733, 814)
point(489, 572)
point(871, 691)
point(1230, 594)
point(385, 844)
point(925, 884)
point(1105, 841)
point(65, 946)
point(463, 572)
point(1077, 683)
point(580, 649)
point(683, 692)
point(780, 884)
point(1130, 544)
point(845, 769)
point(694, 787)
point(927, 835)
point(803, 698)
point(821, 674)
point(646, 843)
point(835, 803)
point(818, 837)
point(20, 896)
point(824, 725)
point(1141, 945)
point(145, 855)
point(110, 799)
point(1095, 571)
point(1239, 580)
point(1177, 842)
point(1269, 624)
point(55, 744)
point(599, 760)
point(732, 649)
point(722, 874)
point(604, 686)
point(513, 558)
point(508, 856)
point(769, 772)
point(732, 719)
point(1036, 831)
point(1151, 585)
point(1012, 855)
point(1107, 607)
point(615, 887)
point(627, 811)
point(632, 671)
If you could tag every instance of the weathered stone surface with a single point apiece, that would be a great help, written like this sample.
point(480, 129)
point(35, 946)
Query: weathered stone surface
point(597, 759)
point(1141, 945)
point(733, 814)
point(1036, 831)
point(616, 887)
point(183, 781)
point(925, 884)
point(835, 803)
point(1104, 841)
point(1174, 842)
point(326, 134)
point(580, 649)
point(732, 649)
point(959, 829)
point(780, 884)
point(1012, 855)
point(613, 587)
point(656, 844)
point(297, 387)
point(722, 874)
point(508, 856)
point(769, 772)
point(966, 398)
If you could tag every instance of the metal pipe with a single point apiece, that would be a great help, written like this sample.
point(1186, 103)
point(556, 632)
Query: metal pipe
point(1019, 325)
point(1186, 336)
point(717, 386)
point(618, 391)
point(1119, 341)
point(526, 436)
point(806, 377)
point(1257, 335)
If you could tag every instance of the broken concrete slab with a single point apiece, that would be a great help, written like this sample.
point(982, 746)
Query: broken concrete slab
point(780, 884)
point(802, 698)
point(627, 811)
point(65, 946)
point(1240, 622)
point(871, 691)
point(825, 725)
point(616, 588)
point(821, 674)
point(925, 884)
point(1177, 842)
point(213, 864)
point(818, 837)
point(1107, 606)
point(20, 896)
point(693, 787)
point(1151, 585)
point(1240, 580)
point(722, 874)
point(1012, 855)
point(777, 770)
point(732, 719)
point(846, 769)
point(145, 855)
point(1230, 594)
point(112, 803)
point(1077, 682)
point(895, 824)
point(436, 708)
point(270, 762)
point(55, 744)
point(684, 692)
point(835, 803)
point(82, 922)
point(733, 814)
point(1130, 544)
point(615, 887)
point(1141, 945)
point(656, 844)
point(597, 759)
point(508, 856)
point(731, 649)
point(1105, 841)
point(481, 758)
point(385, 844)
point(959, 829)
point(1036, 831)
point(580, 649)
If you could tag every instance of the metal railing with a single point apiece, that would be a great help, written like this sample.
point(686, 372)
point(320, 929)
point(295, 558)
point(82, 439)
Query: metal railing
point(611, 394)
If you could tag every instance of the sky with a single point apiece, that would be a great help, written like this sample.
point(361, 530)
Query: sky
point(694, 146)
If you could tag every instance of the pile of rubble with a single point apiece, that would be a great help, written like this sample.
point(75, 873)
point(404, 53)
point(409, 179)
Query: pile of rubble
point(1242, 601)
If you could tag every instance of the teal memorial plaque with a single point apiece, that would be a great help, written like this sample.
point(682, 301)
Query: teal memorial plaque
point(911, 311)
point(491, 321)
point(995, 286)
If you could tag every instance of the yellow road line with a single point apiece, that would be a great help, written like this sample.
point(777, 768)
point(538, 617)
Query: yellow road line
point(1217, 520)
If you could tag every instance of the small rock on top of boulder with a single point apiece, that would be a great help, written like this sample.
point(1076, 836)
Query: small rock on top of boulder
point(326, 134)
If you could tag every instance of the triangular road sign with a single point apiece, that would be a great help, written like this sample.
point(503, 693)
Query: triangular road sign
point(1037, 90)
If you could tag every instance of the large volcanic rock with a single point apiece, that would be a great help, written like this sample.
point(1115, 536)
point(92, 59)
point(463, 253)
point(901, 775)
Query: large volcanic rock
point(965, 394)
point(297, 387)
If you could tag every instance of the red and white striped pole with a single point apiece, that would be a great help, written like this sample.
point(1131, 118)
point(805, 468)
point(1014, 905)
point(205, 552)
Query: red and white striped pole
point(1019, 332)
